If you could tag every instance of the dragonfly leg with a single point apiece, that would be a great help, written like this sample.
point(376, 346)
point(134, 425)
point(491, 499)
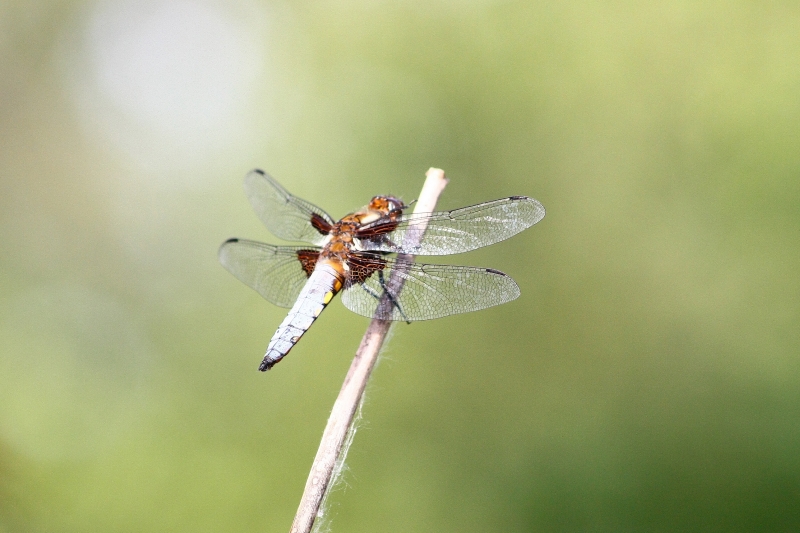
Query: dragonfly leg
point(391, 297)
point(371, 292)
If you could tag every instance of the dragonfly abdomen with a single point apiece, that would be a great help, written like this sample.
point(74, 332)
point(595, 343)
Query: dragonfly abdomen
point(319, 290)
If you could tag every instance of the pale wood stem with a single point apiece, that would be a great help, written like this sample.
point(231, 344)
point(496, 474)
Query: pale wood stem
point(346, 405)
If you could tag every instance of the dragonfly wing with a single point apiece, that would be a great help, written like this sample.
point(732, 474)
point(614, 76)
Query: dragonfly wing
point(286, 216)
point(422, 292)
point(457, 231)
point(277, 273)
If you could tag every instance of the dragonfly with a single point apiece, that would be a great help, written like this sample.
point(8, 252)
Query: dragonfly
point(367, 257)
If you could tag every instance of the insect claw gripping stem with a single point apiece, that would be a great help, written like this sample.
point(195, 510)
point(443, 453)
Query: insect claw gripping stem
point(391, 296)
point(388, 294)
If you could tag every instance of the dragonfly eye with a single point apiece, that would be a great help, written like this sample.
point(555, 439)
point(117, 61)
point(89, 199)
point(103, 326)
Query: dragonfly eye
point(395, 204)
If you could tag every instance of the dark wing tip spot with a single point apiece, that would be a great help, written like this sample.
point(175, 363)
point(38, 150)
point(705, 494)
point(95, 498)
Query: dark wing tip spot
point(497, 272)
point(519, 198)
point(259, 171)
point(232, 239)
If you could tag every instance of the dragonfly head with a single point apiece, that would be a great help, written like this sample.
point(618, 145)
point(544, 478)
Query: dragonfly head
point(386, 205)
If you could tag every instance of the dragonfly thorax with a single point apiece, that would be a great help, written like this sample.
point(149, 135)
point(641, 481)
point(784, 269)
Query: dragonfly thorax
point(340, 241)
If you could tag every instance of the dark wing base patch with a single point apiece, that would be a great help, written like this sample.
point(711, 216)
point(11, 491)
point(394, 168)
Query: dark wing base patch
point(308, 260)
point(364, 265)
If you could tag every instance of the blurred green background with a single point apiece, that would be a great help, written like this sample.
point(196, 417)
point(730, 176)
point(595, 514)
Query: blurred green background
point(646, 380)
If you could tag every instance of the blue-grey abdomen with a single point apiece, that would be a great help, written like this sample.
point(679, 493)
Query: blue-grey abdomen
point(316, 294)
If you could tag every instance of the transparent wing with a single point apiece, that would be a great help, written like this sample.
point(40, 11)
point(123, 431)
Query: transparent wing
point(457, 231)
point(286, 216)
point(275, 272)
point(422, 292)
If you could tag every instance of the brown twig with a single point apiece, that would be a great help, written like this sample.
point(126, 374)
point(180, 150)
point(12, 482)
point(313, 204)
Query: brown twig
point(346, 405)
